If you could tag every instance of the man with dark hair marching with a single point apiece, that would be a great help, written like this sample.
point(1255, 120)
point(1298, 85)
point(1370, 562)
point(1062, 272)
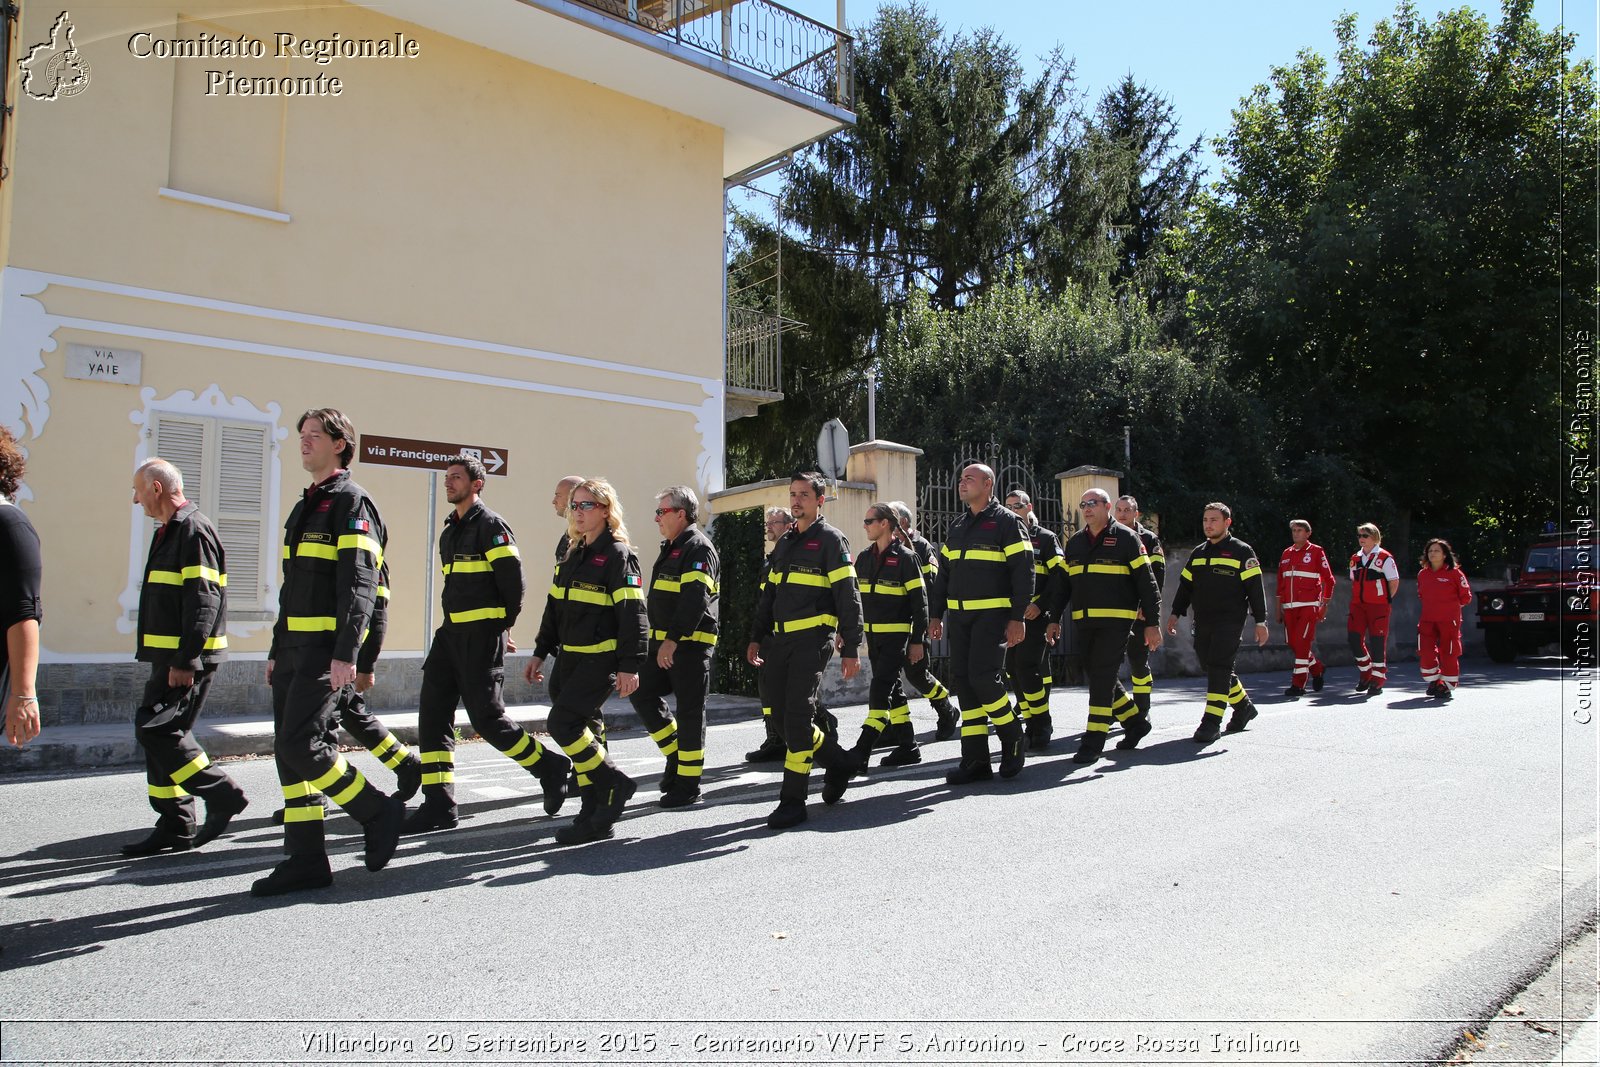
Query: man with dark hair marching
point(682, 605)
point(1028, 663)
point(985, 585)
point(1222, 580)
point(1110, 588)
point(183, 618)
point(920, 674)
point(810, 596)
point(482, 597)
point(333, 554)
point(1126, 510)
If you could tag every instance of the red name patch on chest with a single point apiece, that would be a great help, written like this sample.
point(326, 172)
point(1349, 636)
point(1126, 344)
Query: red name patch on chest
point(324, 505)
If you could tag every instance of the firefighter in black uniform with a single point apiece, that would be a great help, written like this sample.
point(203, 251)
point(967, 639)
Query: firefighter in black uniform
point(1127, 512)
point(894, 607)
point(1221, 580)
point(595, 615)
point(985, 584)
point(1109, 585)
point(920, 673)
point(182, 634)
point(810, 596)
point(482, 597)
point(332, 555)
point(1028, 663)
point(772, 748)
point(684, 588)
point(560, 501)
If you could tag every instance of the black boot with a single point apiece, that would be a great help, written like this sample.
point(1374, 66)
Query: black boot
point(1089, 749)
point(1210, 729)
point(1316, 682)
point(1013, 749)
point(381, 833)
point(948, 719)
point(974, 765)
point(1243, 712)
point(219, 813)
point(839, 767)
point(669, 776)
point(408, 778)
point(159, 840)
point(1040, 729)
point(1294, 692)
point(436, 812)
point(906, 750)
point(1134, 731)
point(294, 875)
point(552, 771)
point(771, 750)
point(581, 830)
point(862, 752)
point(791, 809)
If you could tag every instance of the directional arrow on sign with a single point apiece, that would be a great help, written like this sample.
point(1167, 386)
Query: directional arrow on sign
point(494, 461)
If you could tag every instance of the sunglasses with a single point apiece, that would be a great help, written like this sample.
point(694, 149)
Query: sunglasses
point(584, 505)
point(870, 519)
point(667, 511)
point(1015, 507)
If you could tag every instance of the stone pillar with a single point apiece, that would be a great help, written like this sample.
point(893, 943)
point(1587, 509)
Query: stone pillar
point(891, 467)
point(1073, 484)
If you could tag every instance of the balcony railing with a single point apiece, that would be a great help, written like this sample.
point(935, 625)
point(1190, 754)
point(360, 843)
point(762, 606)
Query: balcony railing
point(755, 350)
point(757, 35)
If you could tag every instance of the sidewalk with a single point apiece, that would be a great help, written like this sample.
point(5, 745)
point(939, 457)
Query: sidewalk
point(100, 745)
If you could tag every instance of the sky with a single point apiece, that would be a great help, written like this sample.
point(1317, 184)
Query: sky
point(1202, 55)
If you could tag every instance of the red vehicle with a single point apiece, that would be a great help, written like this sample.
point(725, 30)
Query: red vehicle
point(1553, 598)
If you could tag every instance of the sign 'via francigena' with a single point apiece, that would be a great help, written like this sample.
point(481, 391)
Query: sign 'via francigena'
point(95, 364)
point(430, 455)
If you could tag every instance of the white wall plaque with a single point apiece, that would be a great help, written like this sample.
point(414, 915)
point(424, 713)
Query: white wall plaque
point(96, 364)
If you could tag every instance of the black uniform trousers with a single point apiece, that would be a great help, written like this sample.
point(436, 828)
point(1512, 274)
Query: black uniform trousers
point(367, 730)
point(923, 681)
point(1216, 642)
point(176, 768)
point(579, 685)
point(977, 674)
point(682, 735)
point(1025, 663)
point(303, 700)
point(790, 678)
point(467, 664)
point(1139, 667)
point(886, 700)
point(1102, 648)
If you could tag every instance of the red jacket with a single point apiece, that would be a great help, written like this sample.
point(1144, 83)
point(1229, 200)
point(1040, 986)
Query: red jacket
point(1443, 593)
point(1305, 578)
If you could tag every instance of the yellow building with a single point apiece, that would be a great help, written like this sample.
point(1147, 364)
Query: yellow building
point(496, 223)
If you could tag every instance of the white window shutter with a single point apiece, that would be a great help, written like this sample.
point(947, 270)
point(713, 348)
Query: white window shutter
point(181, 441)
point(241, 502)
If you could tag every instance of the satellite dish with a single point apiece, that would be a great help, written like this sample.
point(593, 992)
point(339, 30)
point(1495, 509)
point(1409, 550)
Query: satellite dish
point(833, 449)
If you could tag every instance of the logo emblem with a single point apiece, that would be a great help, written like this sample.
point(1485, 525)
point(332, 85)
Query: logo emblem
point(55, 69)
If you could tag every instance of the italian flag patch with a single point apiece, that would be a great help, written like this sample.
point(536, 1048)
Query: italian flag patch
point(632, 579)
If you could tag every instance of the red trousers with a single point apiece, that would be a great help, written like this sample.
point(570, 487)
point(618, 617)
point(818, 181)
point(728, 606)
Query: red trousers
point(1370, 621)
point(1301, 627)
point(1439, 652)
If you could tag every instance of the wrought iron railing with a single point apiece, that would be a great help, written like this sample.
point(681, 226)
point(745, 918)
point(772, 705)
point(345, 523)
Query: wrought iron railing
point(758, 35)
point(755, 349)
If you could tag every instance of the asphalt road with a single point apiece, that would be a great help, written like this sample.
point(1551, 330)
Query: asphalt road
point(1348, 881)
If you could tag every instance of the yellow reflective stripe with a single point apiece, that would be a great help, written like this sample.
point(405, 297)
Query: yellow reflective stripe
point(585, 766)
point(383, 592)
point(987, 554)
point(439, 778)
point(1040, 568)
point(190, 769)
point(666, 585)
point(589, 596)
point(795, 578)
point(914, 583)
point(160, 641)
point(477, 614)
point(311, 623)
point(839, 574)
point(165, 577)
point(467, 566)
point(558, 592)
point(1186, 574)
point(439, 756)
point(334, 773)
point(211, 575)
point(296, 790)
point(363, 543)
point(798, 762)
point(1018, 546)
point(1139, 561)
point(886, 590)
point(388, 742)
point(981, 605)
point(1220, 561)
point(305, 813)
point(698, 635)
point(1156, 557)
point(285, 551)
point(603, 646)
point(1057, 561)
point(167, 792)
point(627, 592)
point(1108, 568)
point(665, 732)
point(216, 642)
point(699, 576)
point(888, 627)
point(1106, 613)
point(522, 742)
point(502, 552)
point(584, 740)
point(320, 551)
point(348, 793)
point(810, 622)
point(1251, 572)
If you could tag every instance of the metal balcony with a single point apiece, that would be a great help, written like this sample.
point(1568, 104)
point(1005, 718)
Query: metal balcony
point(754, 360)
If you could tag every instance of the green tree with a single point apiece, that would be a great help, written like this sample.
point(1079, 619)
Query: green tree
point(1389, 256)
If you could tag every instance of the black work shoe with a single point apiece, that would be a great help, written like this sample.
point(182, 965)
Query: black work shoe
point(428, 818)
point(1089, 749)
point(965, 773)
point(1039, 730)
point(1316, 682)
point(1363, 685)
point(1446, 694)
point(835, 780)
point(860, 757)
point(1210, 729)
point(1375, 691)
point(218, 815)
point(159, 840)
point(382, 833)
point(680, 796)
point(556, 786)
point(788, 813)
point(902, 756)
point(949, 720)
point(294, 875)
point(1433, 688)
point(1013, 755)
point(583, 831)
point(669, 775)
point(610, 799)
point(771, 751)
point(1134, 730)
point(1294, 692)
point(1240, 717)
point(408, 778)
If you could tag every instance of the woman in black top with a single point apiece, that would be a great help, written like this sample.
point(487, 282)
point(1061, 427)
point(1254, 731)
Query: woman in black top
point(20, 612)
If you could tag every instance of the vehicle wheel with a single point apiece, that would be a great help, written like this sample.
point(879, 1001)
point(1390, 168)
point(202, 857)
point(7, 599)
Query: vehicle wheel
point(1499, 644)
